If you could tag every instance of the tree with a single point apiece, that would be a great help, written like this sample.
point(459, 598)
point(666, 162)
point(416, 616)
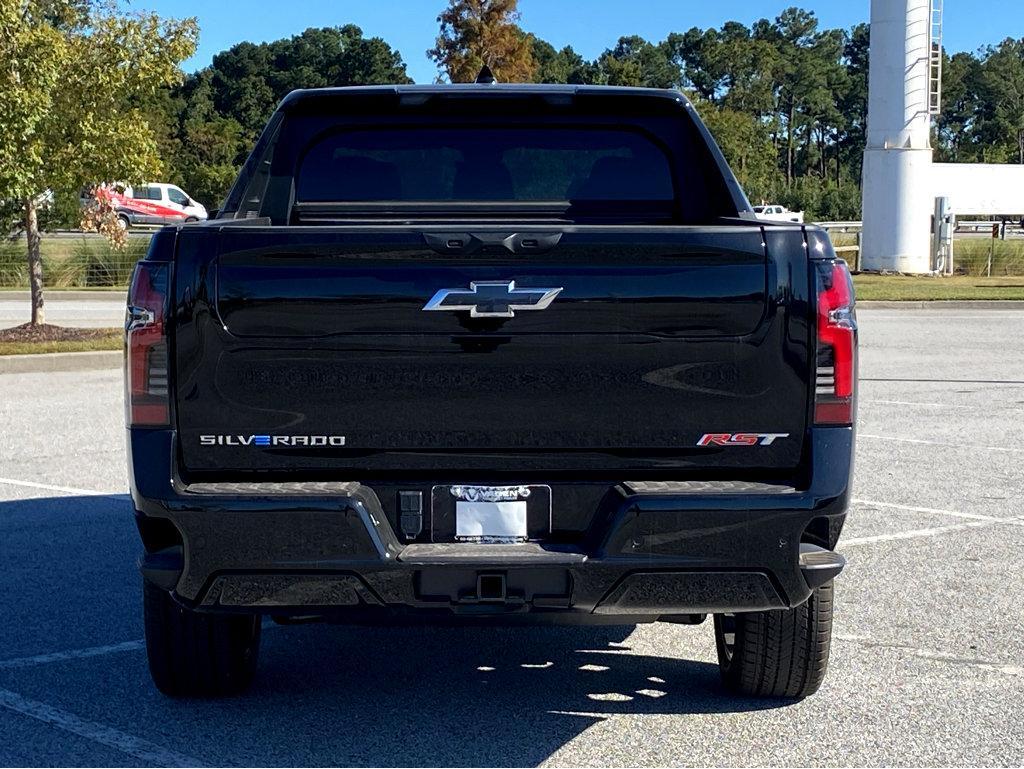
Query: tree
point(745, 142)
point(853, 104)
point(216, 114)
point(695, 54)
point(71, 71)
point(247, 81)
point(954, 126)
point(565, 66)
point(478, 32)
point(636, 62)
point(1003, 84)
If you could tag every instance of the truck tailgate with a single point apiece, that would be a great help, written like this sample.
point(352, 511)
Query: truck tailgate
point(656, 337)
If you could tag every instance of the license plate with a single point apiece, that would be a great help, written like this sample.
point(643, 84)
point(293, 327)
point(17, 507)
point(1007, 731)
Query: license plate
point(490, 513)
point(479, 521)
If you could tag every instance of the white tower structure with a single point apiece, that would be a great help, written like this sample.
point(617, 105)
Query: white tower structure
point(897, 186)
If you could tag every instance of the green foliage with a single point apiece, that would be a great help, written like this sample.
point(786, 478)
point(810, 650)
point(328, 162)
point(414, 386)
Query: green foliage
point(68, 93)
point(212, 120)
point(746, 144)
point(871, 287)
point(635, 62)
point(72, 76)
point(970, 256)
point(565, 66)
point(94, 263)
point(982, 116)
point(13, 272)
point(821, 200)
point(785, 98)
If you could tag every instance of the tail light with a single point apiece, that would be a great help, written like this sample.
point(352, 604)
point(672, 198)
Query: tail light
point(836, 345)
point(146, 391)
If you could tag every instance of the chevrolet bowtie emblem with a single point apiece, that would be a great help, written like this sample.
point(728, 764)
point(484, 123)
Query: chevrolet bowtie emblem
point(492, 299)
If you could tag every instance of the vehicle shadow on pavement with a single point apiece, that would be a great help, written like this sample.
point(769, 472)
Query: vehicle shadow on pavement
point(467, 696)
point(334, 694)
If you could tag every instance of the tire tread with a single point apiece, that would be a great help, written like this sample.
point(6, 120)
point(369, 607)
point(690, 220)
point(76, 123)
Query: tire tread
point(780, 653)
point(195, 654)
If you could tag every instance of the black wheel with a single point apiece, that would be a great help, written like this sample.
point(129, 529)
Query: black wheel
point(124, 222)
point(195, 654)
point(191, 220)
point(777, 653)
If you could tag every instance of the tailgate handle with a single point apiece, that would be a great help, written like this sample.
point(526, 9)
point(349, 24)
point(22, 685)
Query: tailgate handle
point(469, 242)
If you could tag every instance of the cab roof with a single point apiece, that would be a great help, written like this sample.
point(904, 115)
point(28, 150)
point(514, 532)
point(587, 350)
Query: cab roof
point(423, 93)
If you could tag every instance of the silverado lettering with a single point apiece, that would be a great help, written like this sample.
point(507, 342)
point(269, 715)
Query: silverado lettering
point(445, 352)
point(272, 440)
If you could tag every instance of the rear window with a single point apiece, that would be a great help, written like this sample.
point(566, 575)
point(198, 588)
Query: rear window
point(552, 163)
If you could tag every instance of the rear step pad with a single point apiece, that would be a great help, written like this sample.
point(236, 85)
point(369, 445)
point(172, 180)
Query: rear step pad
point(819, 565)
point(524, 554)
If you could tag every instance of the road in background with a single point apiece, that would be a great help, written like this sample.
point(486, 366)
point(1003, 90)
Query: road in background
point(84, 309)
point(927, 654)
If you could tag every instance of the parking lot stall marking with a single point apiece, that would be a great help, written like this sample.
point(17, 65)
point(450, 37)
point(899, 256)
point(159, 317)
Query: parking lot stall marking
point(930, 510)
point(916, 403)
point(931, 654)
point(73, 654)
point(146, 752)
point(971, 446)
point(918, 380)
point(61, 489)
point(930, 532)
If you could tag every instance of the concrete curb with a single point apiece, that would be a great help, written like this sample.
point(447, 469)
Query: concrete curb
point(61, 361)
point(944, 304)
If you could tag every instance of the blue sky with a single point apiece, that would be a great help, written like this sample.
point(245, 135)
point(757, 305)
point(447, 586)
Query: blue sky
point(590, 26)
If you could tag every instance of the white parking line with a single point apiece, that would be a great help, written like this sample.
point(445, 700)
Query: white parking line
point(972, 446)
point(145, 752)
point(918, 403)
point(929, 654)
point(931, 532)
point(73, 654)
point(61, 489)
point(91, 651)
point(931, 510)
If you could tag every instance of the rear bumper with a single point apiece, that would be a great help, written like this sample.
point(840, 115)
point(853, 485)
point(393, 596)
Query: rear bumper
point(665, 550)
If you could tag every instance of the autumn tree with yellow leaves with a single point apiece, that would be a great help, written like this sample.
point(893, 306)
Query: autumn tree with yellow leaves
point(478, 32)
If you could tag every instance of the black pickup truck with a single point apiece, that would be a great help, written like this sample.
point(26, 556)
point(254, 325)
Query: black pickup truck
point(489, 353)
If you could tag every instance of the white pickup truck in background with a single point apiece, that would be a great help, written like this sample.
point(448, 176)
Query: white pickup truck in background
point(775, 213)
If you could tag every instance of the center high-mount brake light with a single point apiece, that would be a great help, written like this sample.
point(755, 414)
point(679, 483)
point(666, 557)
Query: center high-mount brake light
point(836, 345)
point(146, 392)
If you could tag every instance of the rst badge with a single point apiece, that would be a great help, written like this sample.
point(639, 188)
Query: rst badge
point(272, 441)
point(740, 439)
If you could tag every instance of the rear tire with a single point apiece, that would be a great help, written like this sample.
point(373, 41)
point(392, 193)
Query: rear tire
point(780, 653)
point(192, 654)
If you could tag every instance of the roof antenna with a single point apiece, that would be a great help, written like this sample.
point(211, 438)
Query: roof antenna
point(486, 76)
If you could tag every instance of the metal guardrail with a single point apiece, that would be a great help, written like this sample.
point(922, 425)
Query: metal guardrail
point(969, 226)
point(141, 231)
point(841, 226)
point(962, 225)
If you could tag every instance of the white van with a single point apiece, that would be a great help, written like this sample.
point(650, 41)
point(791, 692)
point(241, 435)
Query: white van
point(157, 204)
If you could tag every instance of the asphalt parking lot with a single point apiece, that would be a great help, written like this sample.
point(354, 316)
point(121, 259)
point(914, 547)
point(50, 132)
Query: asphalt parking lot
point(927, 660)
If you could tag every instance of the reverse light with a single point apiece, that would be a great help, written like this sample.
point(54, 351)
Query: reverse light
point(836, 345)
point(146, 390)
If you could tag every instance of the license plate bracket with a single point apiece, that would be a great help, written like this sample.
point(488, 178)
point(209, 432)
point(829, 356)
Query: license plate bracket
point(490, 513)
